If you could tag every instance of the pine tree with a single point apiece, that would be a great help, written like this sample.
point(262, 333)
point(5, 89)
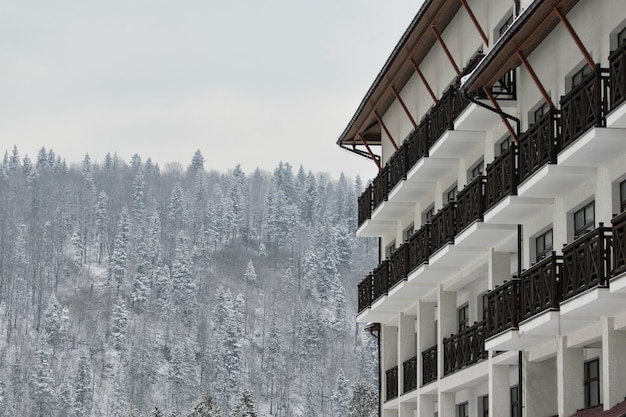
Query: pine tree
point(364, 400)
point(120, 249)
point(42, 383)
point(206, 408)
point(341, 395)
point(82, 388)
point(183, 282)
point(245, 406)
point(54, 322)
point(119, 323)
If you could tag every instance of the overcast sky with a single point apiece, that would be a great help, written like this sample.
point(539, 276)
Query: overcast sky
point(245, 81)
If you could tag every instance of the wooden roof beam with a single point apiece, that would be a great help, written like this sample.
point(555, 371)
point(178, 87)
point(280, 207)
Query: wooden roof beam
point(374, 157)
point(445, 49)
point(380, 121)
point(475, 21)
point(533, 75)
point(404, 107)
point(419, 73)
point(575, 37)
point(504, 119)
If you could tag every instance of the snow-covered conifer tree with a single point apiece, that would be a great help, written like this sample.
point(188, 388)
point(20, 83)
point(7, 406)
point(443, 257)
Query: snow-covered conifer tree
point(206, 408)
point(119, 324)
point(364, 400)
point(82, 387)
point(341, 395)
point(245, 406)
point(42, 383)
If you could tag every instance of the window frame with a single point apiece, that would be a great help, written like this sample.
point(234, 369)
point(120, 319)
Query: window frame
point(484, 402)
point(577, 77)
point(428, 214)
point(451, 193)
point(622, 195)
point(592, 383)
point(588, 224)
point(462, 317)
point(477, 169)
point(462, 410)
point(514, 394)
point(505, 24)
point(545, 250)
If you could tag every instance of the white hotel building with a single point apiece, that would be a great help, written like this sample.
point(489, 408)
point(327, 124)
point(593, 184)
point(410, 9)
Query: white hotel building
point(499, 128)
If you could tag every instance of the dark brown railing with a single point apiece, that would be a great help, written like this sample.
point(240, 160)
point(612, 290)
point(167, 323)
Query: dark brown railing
point(540, 144)
point(502, 177)
point(381, 187)
point(441, 118)
point(444, 226)
point(399, 265)
point(380, 280)
point(409, 369)
point(617, 71)
point(398, 166)
point(366, 204)
point(471, 203)
point(420, 246)
point(429, 365)
point(503, 307)
point(392, 383)
point(586, 262)
point(465, 348)
point(419, 142)
point(540, 286)
point(585, 106)
point(619, 244)
point(366, 288)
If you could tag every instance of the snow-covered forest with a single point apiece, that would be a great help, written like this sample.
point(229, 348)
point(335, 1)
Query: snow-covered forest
point(129, 289)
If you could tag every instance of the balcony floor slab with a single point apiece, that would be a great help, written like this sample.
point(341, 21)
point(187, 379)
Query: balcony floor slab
point(375, 228)
point(595, 148)
point(411, 191)
point(465, 378)
point(511, 340)
point(475, 117)
point(617, 285)
point(369, 315)
point(551, 180)
point(453, 256)
point(516, 210)
point(617, 117)
point(426, 276)
point(431, 169)
point(480, 234)
point(594, 303)
point(457, 143)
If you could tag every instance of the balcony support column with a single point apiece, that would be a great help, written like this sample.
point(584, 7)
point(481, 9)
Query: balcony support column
point(499, 396)
point(533, 75)
point(384, 126)
point(540, 388)
point(569, 371)
point(446, 325)
point(404, 107)
point(613, 364)
point(421, 75)
point(575, 37)
point(374, 157)
point(426, 405)
point(446, 50)
point(447, 404)
point(389, 353)
point(406, 344)
point(425, 334)
point(499, 268)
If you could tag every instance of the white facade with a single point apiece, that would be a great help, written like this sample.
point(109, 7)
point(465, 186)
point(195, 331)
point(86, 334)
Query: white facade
point(499, 261)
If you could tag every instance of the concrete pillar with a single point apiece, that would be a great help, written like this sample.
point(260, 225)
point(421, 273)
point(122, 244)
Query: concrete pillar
point(446, 404)
point(389, 354)
point(613, 364)
point(407, 410)
point(499, 268)
point(499, 391)
point(406, 346)
point(540, 388)
point(604, 196)
point(426, 405)
point(425, 333)
point(569, 370)
point(446, 324)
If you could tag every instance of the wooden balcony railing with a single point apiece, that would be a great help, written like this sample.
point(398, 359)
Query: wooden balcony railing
point(465, 348)
point(617, 73)
point(440, 114)
point(365, 289)
point(399, 265)
point(380, 280)
point(540, 286)
point(420, 246)
point(503, 307)
point(506, 87)
point(619, 244)
point(419, 142)
point(366, 204)
point(586, 262)
point(429, 365)
point(502, 177)
point(409, 368)
point(471, 203)
point(585, 106)
point(444, 226)
point(392, 383)
point(381, 187)
point(540, 144)
point(398, 165)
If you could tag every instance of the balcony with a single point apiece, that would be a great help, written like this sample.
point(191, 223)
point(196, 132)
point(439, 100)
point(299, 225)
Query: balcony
point(465, 348)
point(586, 262)
point(501, 177)
point(471, 203)
point(409, 368)
point(380, 280)
point(503, 307)
point(399, 265)
point(443, 226)
point(540, 287)
point(392, 383)
point(381, 187)
point(429, 365)
point(617, 72)
point(420, 246)
point(619, 244)
point(585, 106)
point(366, 204)
point(540, 144)
point(366, 294)
point(418, 143)
point(398, 165)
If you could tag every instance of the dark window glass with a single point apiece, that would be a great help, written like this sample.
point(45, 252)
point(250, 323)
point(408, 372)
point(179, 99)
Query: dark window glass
point(580, 75)
point(451, 194)
point(477, 170)
point(592, 383)
point(543, 109)
point(462, 410)
point(584, 219)
point(622, 195)
point(514, 402)
point(508, 22)
point(485, 402)
point(543, 244)
point(463, 316)
point(428, 214)
point(485, 302)
point(409, 232)
point(504, 145)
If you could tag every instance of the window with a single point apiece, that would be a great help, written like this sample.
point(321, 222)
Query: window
point(592, 383)
point(462, 410)
point(408, 232)
point(622, 195)
point(579, 76)
point(390, 249)
point(477, 170)
point(463, 317)
point(515, 402)
point(503, 145)
point(428, 214)
point(540, 111)
point(483, 301)
point(505, 25)
point(483, 406)
point(451, 194)
point(584, 220)
point(543, 244)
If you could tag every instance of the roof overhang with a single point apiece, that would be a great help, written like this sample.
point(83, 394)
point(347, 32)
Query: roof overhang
point(398, 69)
point(530, 28)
